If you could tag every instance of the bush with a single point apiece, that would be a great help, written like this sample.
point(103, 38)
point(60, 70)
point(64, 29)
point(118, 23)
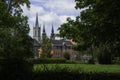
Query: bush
point(91, 61)
point(66, 55)
point(104, 57)
point(67, 74)
point(48, 60)
point(116, 60)
point(71, 62)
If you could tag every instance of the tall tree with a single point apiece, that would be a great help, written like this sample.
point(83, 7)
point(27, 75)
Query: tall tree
point(14, 39)
point(98, 24)
point(46, 47)
point(103, 20)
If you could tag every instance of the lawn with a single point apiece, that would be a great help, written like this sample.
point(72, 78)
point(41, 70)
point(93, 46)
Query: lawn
point(83, 67)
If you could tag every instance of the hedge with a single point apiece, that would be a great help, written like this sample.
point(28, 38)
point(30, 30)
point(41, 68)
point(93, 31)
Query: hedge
point(13, 69)
point(75, 76)
point(48, 60)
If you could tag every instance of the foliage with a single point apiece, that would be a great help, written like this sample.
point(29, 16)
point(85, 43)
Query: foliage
point(98, 24)
point(67, 75)
point(91, 61)
point(84, 67)
point(104, 56)
point(116, 60)
point(66, 71)
point(47, 60)
point(66, 55)
point(57, 72)
point(46, 48)
point(14, 29)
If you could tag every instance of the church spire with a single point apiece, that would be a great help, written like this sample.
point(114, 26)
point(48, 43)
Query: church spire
point(44, 29)
point(52, 33)
point(37, 30)
point(36, 23)
point(52, 29)
point(44, 33)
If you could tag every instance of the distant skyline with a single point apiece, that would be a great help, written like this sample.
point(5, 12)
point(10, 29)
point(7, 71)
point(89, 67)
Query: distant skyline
point(50, 12)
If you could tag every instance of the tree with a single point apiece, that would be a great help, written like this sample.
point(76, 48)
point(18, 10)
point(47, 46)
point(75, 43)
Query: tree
point(97, 25)
point(15, 41)
point(46, 47)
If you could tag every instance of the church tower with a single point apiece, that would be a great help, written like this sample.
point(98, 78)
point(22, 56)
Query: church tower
point(37, 30)
point(52, 37)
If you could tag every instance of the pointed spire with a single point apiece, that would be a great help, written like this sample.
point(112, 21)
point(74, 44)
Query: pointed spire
point(52, 29)
point(44, 28)
point(36, 23)
point(52, 33)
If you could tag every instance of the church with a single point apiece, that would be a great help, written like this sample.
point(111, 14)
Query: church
point(58, 46)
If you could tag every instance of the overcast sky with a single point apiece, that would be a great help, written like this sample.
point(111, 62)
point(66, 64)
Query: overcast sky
point(50, 11)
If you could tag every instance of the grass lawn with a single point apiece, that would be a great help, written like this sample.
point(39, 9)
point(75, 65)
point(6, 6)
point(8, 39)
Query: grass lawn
point(83, 67)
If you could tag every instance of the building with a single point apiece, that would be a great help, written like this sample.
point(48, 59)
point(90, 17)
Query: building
point(58, 46)
point(36, 37)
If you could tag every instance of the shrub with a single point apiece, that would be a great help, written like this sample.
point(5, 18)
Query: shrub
point(71, 62)
point(91, 61)
point(104, 56)
point(66, 55)
point(116, 60)
point(48, 60)
point(66, 74)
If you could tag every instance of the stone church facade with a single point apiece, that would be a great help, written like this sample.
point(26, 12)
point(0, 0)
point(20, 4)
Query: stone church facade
point(36, 37)
point(58, 46)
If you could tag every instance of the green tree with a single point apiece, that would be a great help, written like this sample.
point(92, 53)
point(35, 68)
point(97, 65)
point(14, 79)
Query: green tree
point(98, 24)
point(46, 47)
point(15, 43)
point(14, 39)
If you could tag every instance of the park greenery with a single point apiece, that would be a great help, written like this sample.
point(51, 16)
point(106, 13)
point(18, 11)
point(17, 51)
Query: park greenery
point(46, 47)
point(15, 44)
point(66, 55)
point(97, 28)
point(80, 67)
point(14, 39)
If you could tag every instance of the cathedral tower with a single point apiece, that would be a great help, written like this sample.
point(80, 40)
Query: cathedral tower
point(37, 30)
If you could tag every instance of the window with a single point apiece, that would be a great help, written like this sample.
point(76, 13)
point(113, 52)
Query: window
point(57, 54)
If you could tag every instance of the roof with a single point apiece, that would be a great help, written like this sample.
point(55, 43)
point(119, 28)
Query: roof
point(61, 42)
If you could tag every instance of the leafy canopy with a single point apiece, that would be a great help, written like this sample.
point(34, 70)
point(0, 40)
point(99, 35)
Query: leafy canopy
point(98, 24)
point(14, 39)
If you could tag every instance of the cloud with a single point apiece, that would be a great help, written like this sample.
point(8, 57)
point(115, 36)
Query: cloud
point(60, 7)
point(50, 12)
point(33, 10)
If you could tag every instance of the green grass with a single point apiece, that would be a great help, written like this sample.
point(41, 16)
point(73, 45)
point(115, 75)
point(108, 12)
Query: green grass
point(83, 67)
